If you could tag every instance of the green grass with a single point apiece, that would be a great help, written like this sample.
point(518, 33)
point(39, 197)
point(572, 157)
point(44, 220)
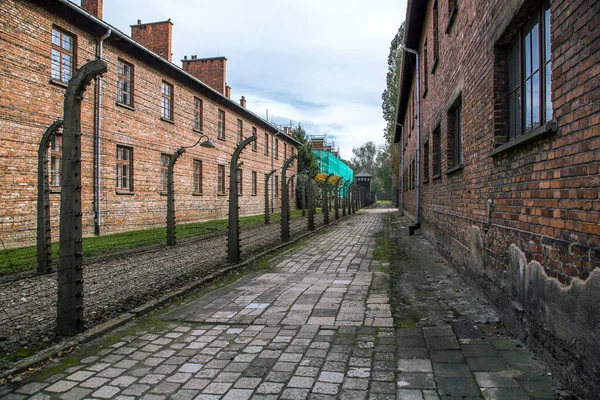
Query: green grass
point(384, 201)
point(383, 251)
point(24, 258)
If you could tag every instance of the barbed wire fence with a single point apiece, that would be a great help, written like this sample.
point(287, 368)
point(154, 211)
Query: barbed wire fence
point(132, 262)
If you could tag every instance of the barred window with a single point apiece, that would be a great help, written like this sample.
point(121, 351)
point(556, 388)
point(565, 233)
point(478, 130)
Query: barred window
point(197, 177)
point(455, 129)
point(221, 125)
point(221, 179)
point(63, 55)
point(166, 106)
point(254, 183)
point(124, 168)
point(240, 130)
point(55, 160)
point(266, 144)
point(198, 113)
point(125, 83)
point(254, 144)
point(164, 169)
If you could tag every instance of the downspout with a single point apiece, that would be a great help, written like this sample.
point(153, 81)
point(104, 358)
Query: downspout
point(401, 169)
point(97, 129)
point(417, 225)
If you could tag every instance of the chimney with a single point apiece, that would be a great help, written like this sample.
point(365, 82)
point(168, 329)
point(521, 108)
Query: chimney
point(228, 92)
point(94, 7)
point(155, 36)
point(243, 102)
point(212, 71)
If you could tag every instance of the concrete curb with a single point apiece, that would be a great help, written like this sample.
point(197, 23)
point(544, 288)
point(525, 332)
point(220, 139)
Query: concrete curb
point(137, 312)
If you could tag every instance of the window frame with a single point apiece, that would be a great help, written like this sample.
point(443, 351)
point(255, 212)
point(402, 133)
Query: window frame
point(254, 144)
point(425, 70)
point(240, 130)
point(62, 51)
point(198, 114)
point(164, 171)
point(436, 152)
point(254, 183)
point(167, 104)
point(516, 56)
point(221, 179)
point(276, 149)
point(197, 177)
point(121, 78)
point(426, 161)
point(276, 181)
point(266, 144)
point(239, 180)
point(436, 35)
point(221, 122)
point(454, 154)
point(120, 162)
point(55, 153)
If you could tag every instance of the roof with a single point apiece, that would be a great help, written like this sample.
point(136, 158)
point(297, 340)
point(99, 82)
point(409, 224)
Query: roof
point(415, 16)
point(93, 22)
point(363, 174)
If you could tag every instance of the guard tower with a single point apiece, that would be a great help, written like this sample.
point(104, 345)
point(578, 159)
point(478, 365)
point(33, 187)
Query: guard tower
point(363, 179)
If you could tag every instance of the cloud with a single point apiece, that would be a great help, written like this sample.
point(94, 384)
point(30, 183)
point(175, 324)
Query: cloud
point(320, 63)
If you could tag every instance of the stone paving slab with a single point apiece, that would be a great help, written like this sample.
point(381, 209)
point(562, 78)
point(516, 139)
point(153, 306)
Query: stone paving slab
point(317, 325)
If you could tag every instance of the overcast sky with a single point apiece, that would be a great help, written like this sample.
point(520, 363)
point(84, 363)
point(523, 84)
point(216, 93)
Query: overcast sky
point(318, 62)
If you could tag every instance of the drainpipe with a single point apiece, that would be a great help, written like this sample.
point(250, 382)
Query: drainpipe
point(417, 224)
point(401, 169)
point(97, 126)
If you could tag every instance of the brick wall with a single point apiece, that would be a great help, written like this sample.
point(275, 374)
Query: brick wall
point(544, 192)
point(32, 103)
point(155, 36)
point(211, 71)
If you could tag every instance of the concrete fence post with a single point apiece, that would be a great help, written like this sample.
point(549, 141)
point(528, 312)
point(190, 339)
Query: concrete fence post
point(337, 199)
point(233, 235)
point(285, 203)
point(69, 318)
point(304, 183)
point(171, 233)
point(326, 201)
point(311, 207)
point(44, 232)
point(267, 206)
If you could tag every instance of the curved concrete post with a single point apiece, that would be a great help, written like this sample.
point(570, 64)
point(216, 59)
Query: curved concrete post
point(311, 207)
point(326, 201)
point(285, 203)
point(336, 199)
point(233, 237)
point(171, 234)
point(267, 206)
point(69, 317)
point(44, 233)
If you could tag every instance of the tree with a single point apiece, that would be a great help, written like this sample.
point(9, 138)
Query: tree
point(388, 105)
point(364, 158)
point(307, 161)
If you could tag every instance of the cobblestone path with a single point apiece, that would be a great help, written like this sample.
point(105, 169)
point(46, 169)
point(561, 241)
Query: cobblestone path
point(317, 325)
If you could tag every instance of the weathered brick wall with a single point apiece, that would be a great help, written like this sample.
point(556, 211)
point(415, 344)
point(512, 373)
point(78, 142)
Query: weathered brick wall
point(155, 36)
point(545, 192)
point(30, 103)
point(544, 221)
point(211, 71)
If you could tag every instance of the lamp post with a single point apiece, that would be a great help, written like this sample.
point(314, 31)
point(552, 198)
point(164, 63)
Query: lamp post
point(171, 234)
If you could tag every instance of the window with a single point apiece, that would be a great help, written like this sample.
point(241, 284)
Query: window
point(291, 187)
point(55, 160)
point(455, 129)
point(426, 161)
point(240, 130)
point(285, 151)
point(198, 113)
point(124, 83)
point(221, 179)
point(276, 149)
point(239, 181)
point(164, 168)
point(197, 177)
point(254, 144)
point(125, 168)
point(166, 106)
point(254, 183)
point(528, 60)
point(425, 70)
point(437, 152)
point(266, 144)
point(412, 110)
point(436, 35)
point(221, 125)
point(63, 55)
point(276, 186)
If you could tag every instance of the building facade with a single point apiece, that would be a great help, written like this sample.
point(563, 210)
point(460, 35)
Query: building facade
point(499, 128)
point(145, 109)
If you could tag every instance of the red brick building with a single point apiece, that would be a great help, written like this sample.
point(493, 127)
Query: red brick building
point(499, 129)
point(148, 108)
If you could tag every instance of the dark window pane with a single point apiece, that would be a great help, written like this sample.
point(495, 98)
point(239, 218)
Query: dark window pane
point(535, 99)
